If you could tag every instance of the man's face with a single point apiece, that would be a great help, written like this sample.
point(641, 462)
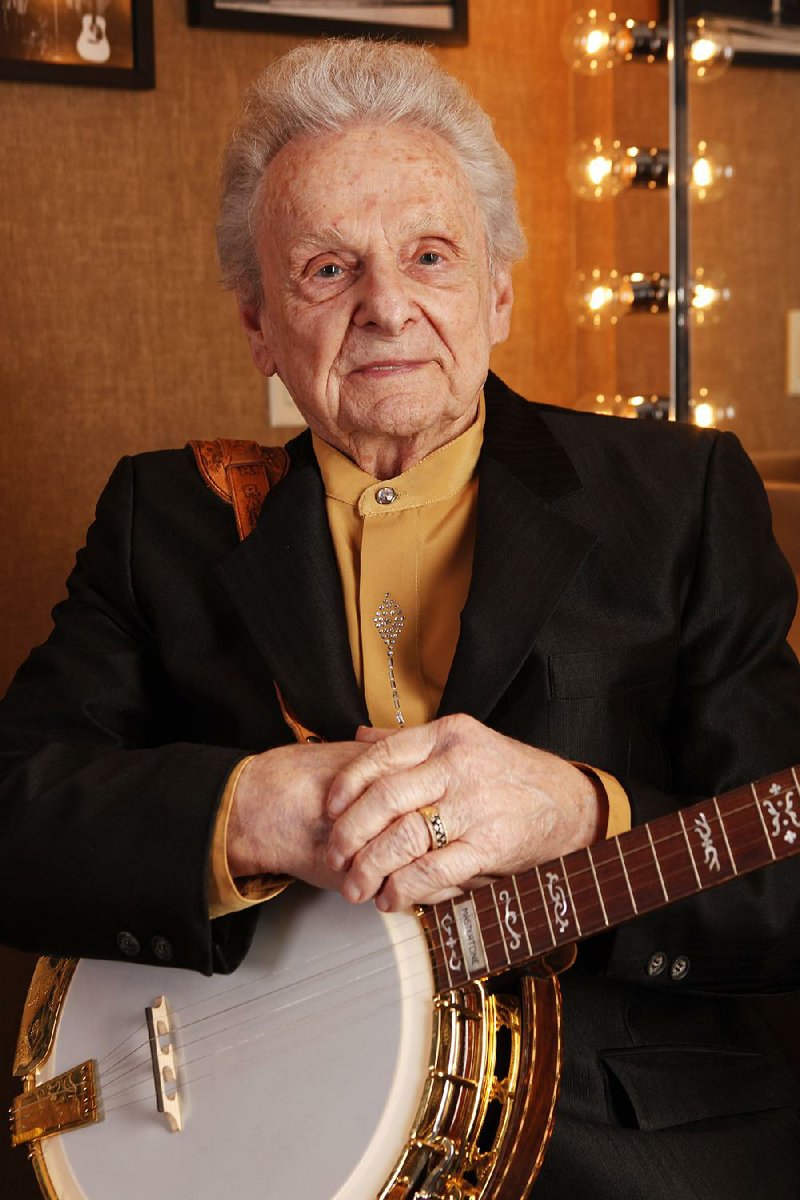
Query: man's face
point(379, 307)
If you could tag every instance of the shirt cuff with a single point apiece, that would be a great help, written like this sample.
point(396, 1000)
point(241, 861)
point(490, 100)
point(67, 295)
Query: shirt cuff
point(226, 894)
point(618, 818)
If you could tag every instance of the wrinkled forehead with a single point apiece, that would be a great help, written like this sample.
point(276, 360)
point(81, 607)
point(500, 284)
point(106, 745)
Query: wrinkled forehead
point(400, 174)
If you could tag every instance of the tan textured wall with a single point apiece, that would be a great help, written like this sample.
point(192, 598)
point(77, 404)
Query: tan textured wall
point(753, 236)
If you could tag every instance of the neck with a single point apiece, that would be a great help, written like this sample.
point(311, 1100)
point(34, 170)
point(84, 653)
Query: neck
point(513, 921)
point(385, 457)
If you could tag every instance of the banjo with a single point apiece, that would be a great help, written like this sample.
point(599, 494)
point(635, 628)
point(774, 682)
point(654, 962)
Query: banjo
point(355, 1054)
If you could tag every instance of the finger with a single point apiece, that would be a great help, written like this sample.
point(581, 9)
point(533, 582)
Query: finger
point(434, 877)
point(404, 841)
point(405, 749)
point(389, 797)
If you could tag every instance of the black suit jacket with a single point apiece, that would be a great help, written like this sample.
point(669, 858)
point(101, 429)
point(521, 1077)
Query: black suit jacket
point(628, 609)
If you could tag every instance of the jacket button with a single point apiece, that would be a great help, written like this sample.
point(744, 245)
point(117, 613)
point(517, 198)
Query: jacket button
point(679, 967)
point(161, 948)
point(128, 944)
point(656, 963)
point(386, 495)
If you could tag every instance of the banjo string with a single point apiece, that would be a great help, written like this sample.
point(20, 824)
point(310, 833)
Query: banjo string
point(375, 1000)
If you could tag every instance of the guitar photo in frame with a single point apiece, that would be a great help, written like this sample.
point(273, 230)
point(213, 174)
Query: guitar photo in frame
point(94, 43)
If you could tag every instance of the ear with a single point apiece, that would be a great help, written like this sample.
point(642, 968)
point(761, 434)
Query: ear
point(502, 301)
point(254, 326)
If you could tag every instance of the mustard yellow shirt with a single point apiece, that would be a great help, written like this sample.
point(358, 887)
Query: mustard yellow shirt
point(418, 548)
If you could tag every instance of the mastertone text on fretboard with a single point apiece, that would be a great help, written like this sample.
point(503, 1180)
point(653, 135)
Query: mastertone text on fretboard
point(513, 920)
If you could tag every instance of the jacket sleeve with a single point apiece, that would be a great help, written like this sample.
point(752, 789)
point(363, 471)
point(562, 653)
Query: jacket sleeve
point(104, 828)
point(735, 717)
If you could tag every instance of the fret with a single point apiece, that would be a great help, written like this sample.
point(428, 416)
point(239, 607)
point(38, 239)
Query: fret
point(744, 831)
point(510, 921)
point(725, 836)
point(492, 932)
point(538, 928)
point(430, 923)
point(641, 870)
point(778, 804)
point(571, 897)
point(763, 822)
point(658, 864)
point(522, 911)
point(625, 872)
point(618, 904)
point(597, 885)
point(499, 922)
point(590, 914)
point(671, 848)
point(454, 959)
point(544, 906)
point(710, 858)
point(689, 848)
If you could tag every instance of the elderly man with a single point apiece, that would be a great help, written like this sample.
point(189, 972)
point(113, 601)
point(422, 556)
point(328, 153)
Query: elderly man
point(510, 629)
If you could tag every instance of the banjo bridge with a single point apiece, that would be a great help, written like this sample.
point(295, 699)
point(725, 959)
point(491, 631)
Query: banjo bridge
point(68, 1101)
point(165, 1072)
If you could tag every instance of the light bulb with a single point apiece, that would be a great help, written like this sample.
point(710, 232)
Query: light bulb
point(596, 168)
point(599, 169)
point(710, 53)
point(593, 43)
point(631, 407)
point(595, 298)
point(711, 172)
point(708, 412)
point(598, 298)
point(704, 415)
point(708, 293)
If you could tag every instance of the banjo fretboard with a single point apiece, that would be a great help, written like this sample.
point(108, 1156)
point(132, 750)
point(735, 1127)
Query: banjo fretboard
point(505, 924)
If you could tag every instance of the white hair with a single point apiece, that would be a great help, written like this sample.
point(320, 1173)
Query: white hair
point(328, 86)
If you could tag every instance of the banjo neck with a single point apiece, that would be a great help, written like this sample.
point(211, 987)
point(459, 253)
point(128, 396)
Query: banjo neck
point(511, 921)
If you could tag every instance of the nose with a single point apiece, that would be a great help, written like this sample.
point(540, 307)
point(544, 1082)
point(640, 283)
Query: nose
point(385, 299)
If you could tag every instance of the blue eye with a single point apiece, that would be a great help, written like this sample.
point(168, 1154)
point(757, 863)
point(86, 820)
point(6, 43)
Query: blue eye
point(329, 271)
point(429, 258)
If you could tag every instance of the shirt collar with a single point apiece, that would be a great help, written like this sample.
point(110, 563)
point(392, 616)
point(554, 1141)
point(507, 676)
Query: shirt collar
point(443, 474)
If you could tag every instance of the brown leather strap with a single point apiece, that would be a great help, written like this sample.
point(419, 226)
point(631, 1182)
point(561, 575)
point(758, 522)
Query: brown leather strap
point(241, 473)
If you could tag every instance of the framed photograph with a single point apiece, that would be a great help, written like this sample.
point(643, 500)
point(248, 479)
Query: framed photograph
point(96, 43)
point(763, 33)
point(443, 21)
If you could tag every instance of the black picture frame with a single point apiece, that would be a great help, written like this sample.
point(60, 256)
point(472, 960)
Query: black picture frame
point(40, 46)
point(221, 14)
point(748, 10)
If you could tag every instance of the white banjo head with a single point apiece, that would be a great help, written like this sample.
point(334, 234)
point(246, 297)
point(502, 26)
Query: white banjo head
point(299, 1075)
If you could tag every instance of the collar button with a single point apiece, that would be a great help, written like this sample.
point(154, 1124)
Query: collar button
point(386, 495)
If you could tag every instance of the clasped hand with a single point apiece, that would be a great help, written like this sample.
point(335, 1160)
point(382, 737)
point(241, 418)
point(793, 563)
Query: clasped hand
point(345, 815)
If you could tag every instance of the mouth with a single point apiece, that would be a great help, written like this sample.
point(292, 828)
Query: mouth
point(384, 367)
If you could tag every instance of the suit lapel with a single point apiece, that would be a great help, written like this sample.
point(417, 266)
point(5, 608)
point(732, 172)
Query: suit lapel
point(284, 582)
point(526, 553)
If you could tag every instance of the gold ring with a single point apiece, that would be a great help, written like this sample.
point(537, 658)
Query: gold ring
point(436, 827)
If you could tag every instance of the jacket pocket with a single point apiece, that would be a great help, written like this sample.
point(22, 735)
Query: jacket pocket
point(652, 1088)
point(591, 673)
